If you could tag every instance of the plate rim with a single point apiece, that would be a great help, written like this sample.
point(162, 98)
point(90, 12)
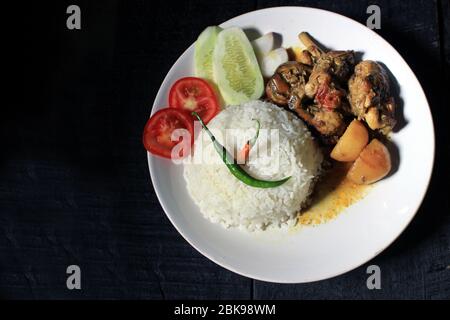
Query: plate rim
point(415, 209)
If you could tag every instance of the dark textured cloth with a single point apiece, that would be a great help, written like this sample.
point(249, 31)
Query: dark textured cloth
point(74, 181)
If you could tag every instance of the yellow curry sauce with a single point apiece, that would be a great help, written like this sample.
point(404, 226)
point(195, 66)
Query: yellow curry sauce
point(332, 194)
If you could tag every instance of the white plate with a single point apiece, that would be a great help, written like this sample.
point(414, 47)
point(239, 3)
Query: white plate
point(360, 232)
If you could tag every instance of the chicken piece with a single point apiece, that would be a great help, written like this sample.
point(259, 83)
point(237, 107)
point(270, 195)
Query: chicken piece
point(310, 45)
point(324, 91)
point(313, 93)
point(370, 98)
point(329, 96)
point(316, 79)
point(330, 124)
point(305, 57)
point(331, 69)
point(334, 68)
point(289, 78)
point(339, 64)
point(293, 72)
point(287, 87)
point(277, 90)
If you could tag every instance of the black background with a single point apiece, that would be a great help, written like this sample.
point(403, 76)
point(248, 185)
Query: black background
point(74, 182)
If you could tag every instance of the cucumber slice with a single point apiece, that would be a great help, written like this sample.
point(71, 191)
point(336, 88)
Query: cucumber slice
point(235, 67)
point(204, 48)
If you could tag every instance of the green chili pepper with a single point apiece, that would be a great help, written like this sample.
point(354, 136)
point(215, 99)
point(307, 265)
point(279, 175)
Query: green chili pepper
point(252, 141)
point(236, 169)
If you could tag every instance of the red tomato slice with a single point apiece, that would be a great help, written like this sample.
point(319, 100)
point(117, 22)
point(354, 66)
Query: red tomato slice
point(194, 94)
point(157, 136)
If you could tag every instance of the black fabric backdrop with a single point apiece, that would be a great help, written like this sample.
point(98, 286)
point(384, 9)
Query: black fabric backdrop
point(74, 182)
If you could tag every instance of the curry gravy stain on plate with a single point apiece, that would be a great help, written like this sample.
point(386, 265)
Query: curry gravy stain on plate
point(333, 193)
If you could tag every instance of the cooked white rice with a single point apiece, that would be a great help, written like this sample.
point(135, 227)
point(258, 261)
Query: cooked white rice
point(223, 198)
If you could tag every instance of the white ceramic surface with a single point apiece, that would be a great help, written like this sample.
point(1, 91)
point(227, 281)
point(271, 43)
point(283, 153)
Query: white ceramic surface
point(360, 232)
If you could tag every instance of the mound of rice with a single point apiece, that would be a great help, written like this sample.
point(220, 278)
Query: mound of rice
point(284, 148)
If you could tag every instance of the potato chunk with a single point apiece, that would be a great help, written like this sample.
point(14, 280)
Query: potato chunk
point(351, 143)
point(373, 164)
